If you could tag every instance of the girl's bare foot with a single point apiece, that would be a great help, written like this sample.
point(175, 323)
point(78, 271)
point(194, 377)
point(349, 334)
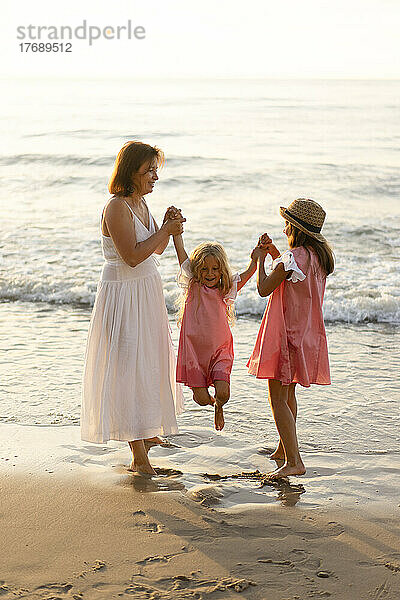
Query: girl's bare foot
point(219, 417)
point(279, 453)
point(286, 470)
point(202, 397)
point(277, 456)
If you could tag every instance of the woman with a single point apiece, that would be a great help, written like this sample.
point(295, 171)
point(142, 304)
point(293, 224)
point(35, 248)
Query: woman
point(129, 389)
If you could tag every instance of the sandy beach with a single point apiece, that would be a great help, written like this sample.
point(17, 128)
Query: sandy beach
point(77, 524)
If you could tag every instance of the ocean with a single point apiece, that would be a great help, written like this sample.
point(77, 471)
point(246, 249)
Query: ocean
point(236, 150)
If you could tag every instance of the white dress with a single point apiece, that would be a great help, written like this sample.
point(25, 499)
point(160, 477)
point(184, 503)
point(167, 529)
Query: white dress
point(129, 382)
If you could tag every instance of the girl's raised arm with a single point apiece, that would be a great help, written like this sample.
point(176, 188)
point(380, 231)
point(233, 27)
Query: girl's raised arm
point(180, 249)
point(267, 283)
point(266, 244)
point(171, 213)
point(249, 272)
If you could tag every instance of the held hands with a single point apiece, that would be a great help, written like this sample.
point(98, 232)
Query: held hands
point(264, 240)
point(258, 253)
point(174, 226)
point(173, 221)
point(264, 247)
point(172, 213)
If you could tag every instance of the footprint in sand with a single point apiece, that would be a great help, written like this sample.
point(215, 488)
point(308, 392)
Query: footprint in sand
point(206, 495)
point(162, 472)
point(271, 561)
point(304, 559)
point(150, 526)
point(60, 588)
point(153, 527)
point(184, 586)
point(135, 589)
point(300, 553)
point(313, 563)
point(335, 528)
point(395, 567)
point(98, 565)
point(153, 559)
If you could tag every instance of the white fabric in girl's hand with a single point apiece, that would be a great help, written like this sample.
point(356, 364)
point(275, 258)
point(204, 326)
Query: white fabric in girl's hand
point(233, 292)
point(185, 274)
point(289, 264)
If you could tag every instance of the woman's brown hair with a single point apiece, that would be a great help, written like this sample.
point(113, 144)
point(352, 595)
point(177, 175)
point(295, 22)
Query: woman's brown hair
point(324, 252)
point(128, 162)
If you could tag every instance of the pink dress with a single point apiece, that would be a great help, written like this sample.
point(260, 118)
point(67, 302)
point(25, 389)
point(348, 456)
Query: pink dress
point(291, 343)
point(205, 352)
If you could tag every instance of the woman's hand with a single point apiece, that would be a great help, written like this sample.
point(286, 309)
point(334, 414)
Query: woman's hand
point(174, 226)
point(172, 213)
point(173, 220)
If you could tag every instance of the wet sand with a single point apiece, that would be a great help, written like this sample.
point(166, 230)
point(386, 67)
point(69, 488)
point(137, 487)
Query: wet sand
point(77, 524)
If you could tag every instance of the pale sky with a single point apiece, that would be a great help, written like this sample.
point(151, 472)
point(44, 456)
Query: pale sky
point(223, 38)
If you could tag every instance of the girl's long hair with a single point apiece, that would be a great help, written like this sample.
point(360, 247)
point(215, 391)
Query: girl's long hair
point(324, 252)
point(197, 259)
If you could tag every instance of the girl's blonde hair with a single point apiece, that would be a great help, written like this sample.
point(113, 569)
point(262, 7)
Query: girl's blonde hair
point(197, 259)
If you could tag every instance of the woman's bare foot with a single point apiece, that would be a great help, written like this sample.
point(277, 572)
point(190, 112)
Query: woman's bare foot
point(145, 470)
point(140, 463)
point(286, 470)
point(153, 441)
point(219, 417)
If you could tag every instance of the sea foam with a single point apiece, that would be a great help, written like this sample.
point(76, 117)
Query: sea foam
point(381, 307)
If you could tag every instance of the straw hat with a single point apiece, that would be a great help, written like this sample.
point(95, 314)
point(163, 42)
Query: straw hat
point(307, 215)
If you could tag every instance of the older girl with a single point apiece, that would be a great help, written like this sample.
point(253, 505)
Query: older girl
point(291, 345)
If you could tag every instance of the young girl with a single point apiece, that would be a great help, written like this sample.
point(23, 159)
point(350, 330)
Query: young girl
point(291, 344)
point(205, 353)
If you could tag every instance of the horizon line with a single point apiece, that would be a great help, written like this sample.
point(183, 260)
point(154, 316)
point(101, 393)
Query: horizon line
point(203, 77)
